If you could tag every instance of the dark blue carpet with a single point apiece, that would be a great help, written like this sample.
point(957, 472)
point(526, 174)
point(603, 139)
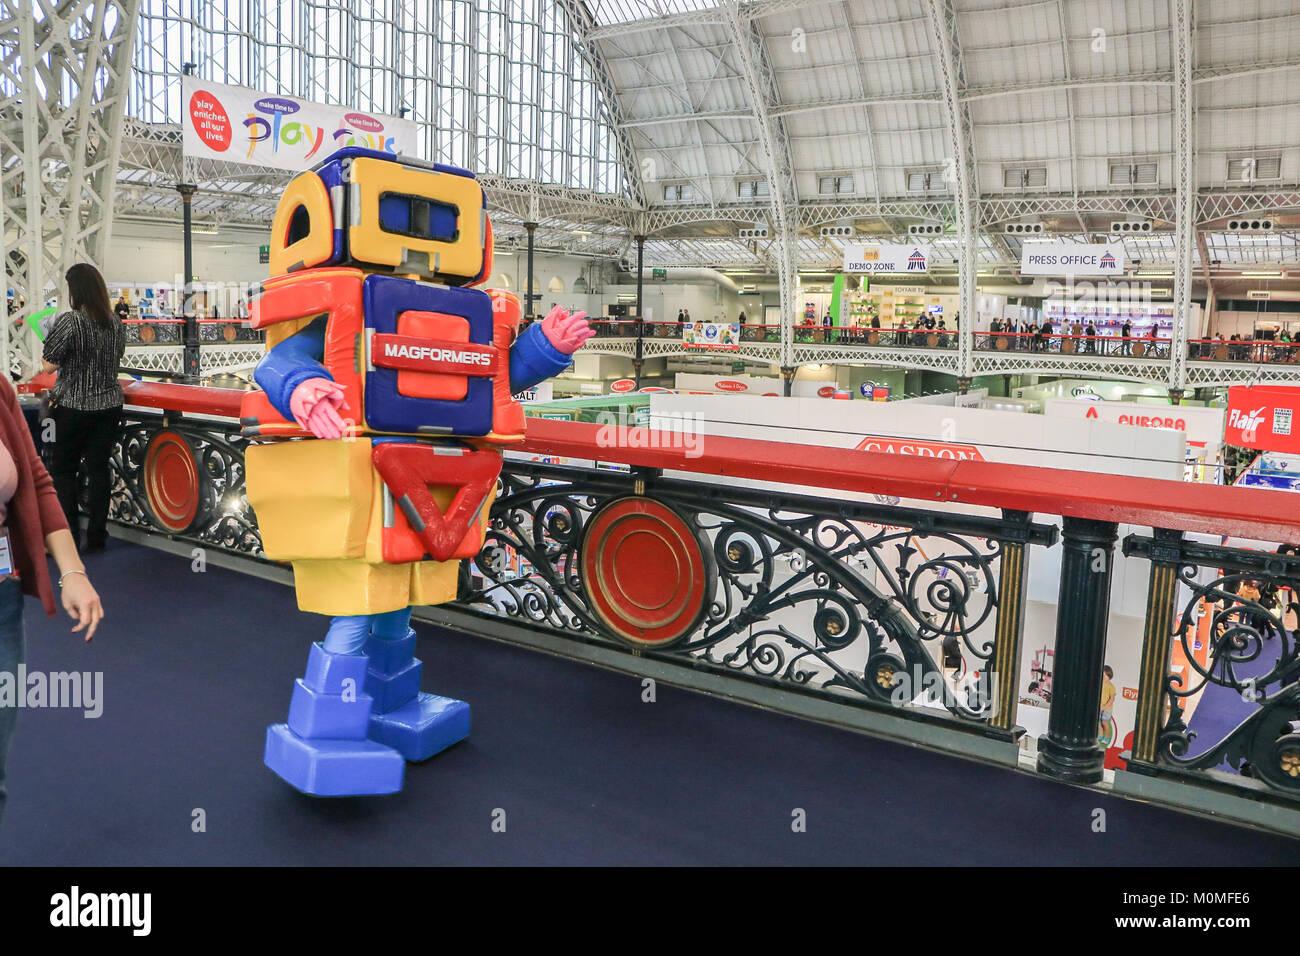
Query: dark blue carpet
point(196, 666)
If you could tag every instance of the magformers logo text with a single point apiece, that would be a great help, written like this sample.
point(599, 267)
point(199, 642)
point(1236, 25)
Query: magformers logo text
point(272, 123)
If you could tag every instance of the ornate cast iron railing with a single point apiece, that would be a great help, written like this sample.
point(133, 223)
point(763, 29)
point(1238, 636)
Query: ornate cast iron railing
point(171, 331)
point(184, 479)
point(853, 600)
point(1230, 615)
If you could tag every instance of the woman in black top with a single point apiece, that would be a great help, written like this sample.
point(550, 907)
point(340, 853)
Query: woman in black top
point(86, 346)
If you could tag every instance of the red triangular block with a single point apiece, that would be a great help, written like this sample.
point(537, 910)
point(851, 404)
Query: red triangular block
point(409, 469)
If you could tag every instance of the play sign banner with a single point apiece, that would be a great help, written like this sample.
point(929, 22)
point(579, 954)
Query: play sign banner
point(239, 125)
point(1264, 417)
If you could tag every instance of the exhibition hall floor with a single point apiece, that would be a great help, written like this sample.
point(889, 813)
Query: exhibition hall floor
point(196, 665)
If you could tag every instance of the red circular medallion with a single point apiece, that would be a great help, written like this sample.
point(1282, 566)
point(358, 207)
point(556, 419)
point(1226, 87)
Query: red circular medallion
point(171, 481)
point(644, 572)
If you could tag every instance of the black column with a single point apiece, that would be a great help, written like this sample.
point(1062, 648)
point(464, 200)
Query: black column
point(1070, 750)
point(190, 361)
point(638, 360)
point(528, 284)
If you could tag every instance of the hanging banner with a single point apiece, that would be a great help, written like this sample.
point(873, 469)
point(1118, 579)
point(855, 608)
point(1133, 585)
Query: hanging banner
point(711, 335)
point(239, 125)
point(887, 257)
point(1072, 259)
point(1264, 417)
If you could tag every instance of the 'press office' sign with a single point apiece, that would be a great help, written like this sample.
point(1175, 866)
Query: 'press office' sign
point(239, 125)
point(1072, 259)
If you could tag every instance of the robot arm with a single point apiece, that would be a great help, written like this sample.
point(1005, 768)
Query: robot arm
point(546, 349)
point(292, 362)
point(299, 386)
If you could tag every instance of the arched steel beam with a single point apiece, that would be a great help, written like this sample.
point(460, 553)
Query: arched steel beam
point(760, 82)
point(582, 24)
point(960, 169)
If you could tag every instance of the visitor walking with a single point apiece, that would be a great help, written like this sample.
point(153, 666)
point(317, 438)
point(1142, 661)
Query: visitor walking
point(85, 346)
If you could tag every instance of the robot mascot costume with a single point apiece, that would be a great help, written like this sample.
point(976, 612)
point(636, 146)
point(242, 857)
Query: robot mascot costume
point(376, 443)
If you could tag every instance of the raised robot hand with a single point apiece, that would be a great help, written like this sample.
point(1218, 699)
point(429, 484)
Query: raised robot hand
point(315, 404)
point(566, 332)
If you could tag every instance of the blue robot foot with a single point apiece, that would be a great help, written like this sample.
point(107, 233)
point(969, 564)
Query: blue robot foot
point(324, 749)
point(415, 724)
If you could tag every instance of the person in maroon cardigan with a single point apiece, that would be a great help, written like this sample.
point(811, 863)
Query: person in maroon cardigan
point(33, 525)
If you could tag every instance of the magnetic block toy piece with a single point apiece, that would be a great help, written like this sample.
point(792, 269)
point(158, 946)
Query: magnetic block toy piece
point(442, 530)
point(313, 714)
point(415, 724)
point(333, 768)
point(387, 213)
point(324, 749)
point(312, 498)
point(392, 690)
point(431, 358)
point(425, 726)
point(302, 232)
point(296, 303)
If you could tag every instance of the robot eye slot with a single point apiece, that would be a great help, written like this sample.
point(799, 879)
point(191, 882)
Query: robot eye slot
point(418, 217)
point(299, 226)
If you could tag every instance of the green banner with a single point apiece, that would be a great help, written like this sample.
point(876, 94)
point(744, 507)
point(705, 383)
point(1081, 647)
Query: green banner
point(837, 294)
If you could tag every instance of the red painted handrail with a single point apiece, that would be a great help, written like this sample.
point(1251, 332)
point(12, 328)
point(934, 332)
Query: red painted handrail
point(1150, 502)
point(1153, 502)
point(197, 399)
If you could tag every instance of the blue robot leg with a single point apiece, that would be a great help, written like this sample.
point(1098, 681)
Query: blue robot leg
point(324, 748)
point(417, 725)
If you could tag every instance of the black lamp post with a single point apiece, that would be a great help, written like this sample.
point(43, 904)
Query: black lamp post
point(190, 357)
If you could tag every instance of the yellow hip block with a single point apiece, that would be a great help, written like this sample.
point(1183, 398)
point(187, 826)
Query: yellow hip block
point(319, 504)
point(434, 582)
point(360, 587)
point(351, 587)
point(312, 498)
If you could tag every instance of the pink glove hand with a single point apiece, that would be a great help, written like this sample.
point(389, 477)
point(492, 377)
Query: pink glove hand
point(566, 332)
point(315, 404)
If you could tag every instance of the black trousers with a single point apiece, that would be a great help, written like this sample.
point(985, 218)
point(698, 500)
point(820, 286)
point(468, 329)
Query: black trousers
point(88, 435)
